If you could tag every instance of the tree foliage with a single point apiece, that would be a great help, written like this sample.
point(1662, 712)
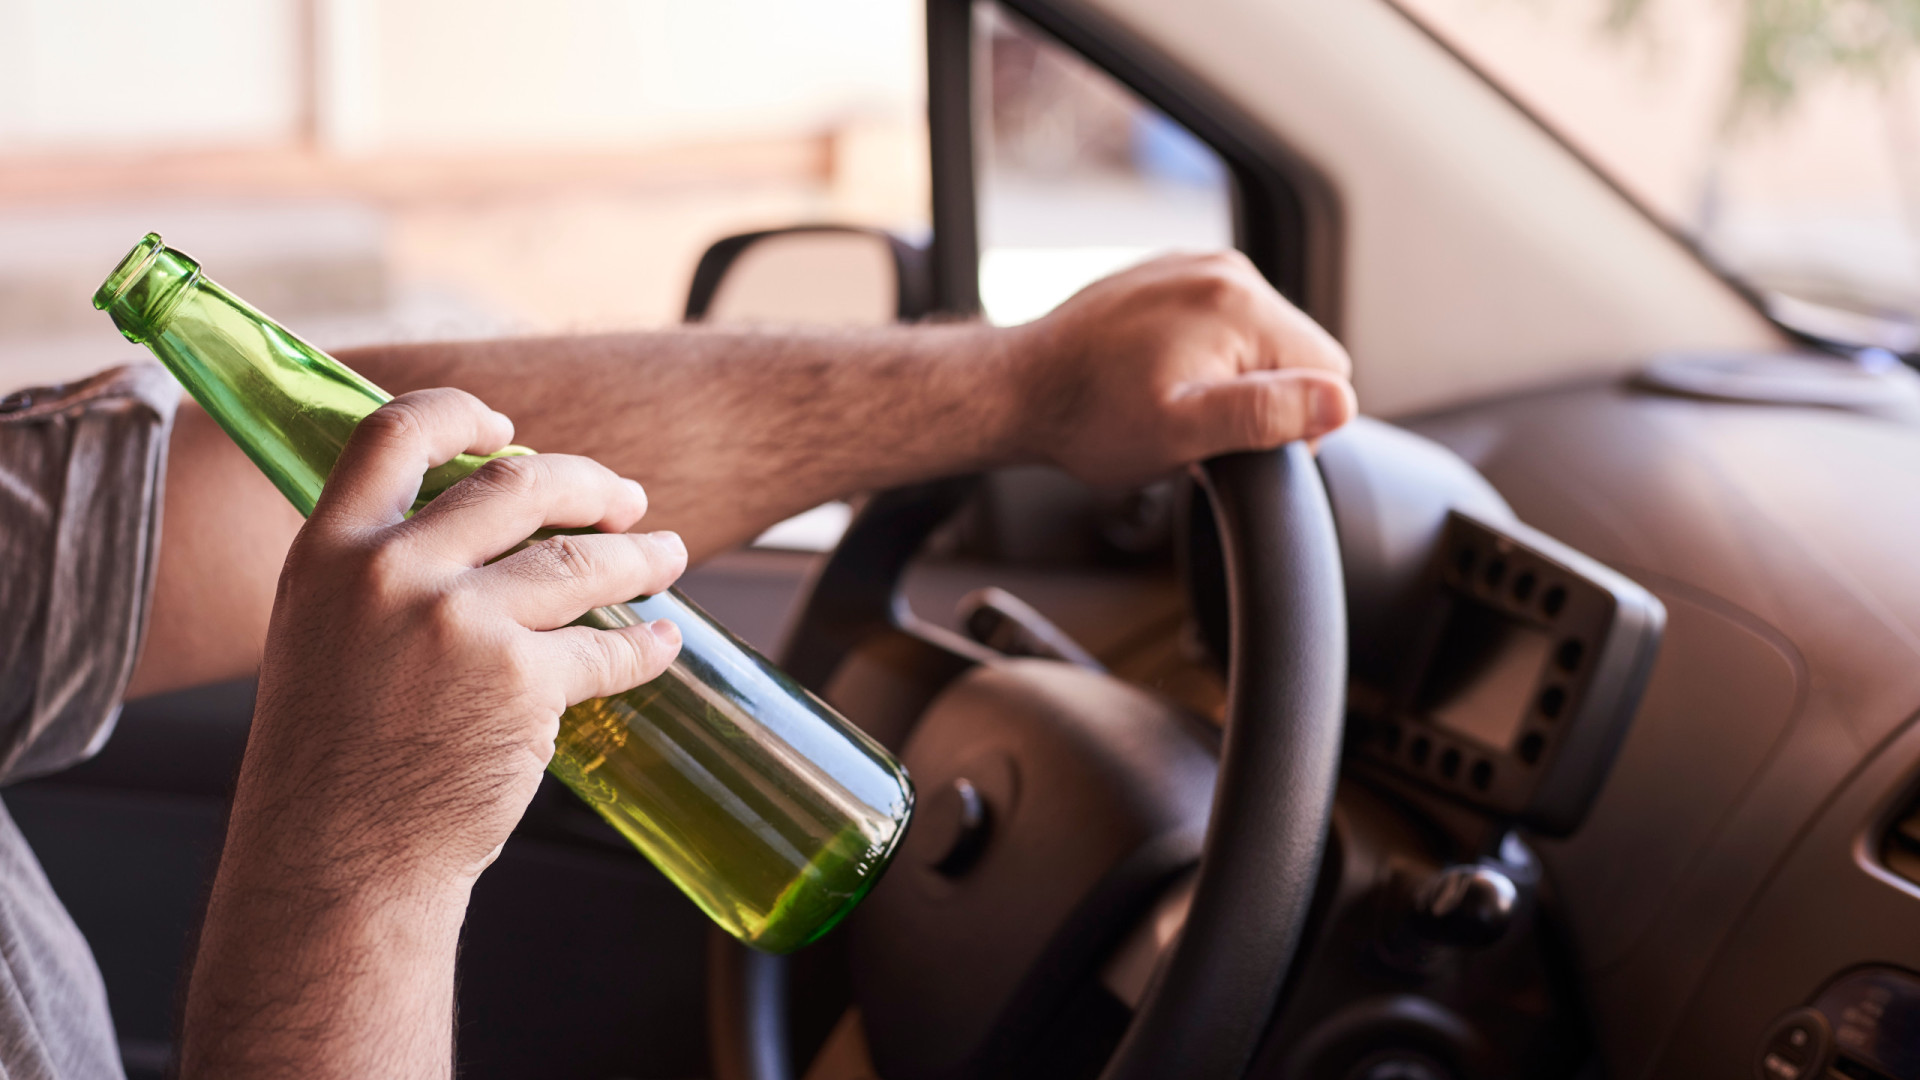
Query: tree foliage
point(1787, 46)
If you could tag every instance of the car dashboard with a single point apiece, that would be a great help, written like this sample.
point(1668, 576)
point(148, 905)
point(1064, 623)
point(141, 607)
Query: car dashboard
point(1742, 864)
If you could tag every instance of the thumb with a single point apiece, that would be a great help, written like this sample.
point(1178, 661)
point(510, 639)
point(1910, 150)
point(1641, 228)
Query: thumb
point(1260, 410)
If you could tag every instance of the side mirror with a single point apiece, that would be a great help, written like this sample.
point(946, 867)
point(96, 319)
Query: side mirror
point(816, 275)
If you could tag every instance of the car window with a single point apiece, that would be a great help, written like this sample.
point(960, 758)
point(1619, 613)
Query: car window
point(1078, 177)
point(372, 170)
point(1782, 139)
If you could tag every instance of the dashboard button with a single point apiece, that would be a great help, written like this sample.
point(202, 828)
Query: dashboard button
point(1799, 1046)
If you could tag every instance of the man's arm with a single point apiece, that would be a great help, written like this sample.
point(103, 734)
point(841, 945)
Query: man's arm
point(1178, 360)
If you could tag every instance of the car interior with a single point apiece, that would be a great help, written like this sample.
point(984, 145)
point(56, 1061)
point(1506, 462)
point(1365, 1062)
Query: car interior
point(1554, 719)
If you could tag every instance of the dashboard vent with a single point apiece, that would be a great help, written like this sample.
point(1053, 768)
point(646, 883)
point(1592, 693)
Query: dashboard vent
point(1901, 849)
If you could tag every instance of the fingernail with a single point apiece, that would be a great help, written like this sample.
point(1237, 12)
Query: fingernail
point(671, 541)
point(667, 633)
point(635, 485)
point(1326, 407)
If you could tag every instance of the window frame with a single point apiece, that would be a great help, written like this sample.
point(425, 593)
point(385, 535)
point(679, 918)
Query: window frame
point(1286, 217)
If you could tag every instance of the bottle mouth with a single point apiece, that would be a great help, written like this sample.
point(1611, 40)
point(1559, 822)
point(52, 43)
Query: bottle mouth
point(136, 263)
point(140, 300)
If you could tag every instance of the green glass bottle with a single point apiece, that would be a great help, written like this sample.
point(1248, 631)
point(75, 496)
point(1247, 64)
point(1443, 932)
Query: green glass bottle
point(767, 808)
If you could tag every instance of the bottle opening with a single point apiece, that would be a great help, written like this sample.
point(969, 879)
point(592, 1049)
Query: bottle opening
point(142, 292)
point(124, 275)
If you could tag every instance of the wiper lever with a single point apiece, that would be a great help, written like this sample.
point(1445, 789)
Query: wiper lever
point(1009, 625)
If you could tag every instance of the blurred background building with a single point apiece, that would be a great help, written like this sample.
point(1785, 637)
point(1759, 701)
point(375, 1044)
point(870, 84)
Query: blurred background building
point(373, 170)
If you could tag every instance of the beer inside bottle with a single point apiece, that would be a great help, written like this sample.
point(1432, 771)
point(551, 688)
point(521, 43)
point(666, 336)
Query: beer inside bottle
point(767, 808)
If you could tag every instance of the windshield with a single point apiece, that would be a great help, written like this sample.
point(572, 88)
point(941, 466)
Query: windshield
point(1782, 139)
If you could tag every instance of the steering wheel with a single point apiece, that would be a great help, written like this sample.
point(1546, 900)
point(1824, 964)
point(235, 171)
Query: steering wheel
point(1205, 1012)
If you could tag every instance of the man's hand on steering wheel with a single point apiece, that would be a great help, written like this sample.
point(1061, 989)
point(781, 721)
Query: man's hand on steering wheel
point(1174, 361)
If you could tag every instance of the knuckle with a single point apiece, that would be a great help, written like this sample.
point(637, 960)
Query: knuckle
point(451, 616)
point(648, 656)
point(458, 606)
point(396, 423)
point(519, 672)
point(628, 658)
point(516, 475)
point(1283, 412)
point(1225, 260)
point(304, 566)
point(1268, 414)
point(306, 555)
point(1214, 289)
point(460, 399)
point(386, 569)
point(598, 656)
point(570, 556)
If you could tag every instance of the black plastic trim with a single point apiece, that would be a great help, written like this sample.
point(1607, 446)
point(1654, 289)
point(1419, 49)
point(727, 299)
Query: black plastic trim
point(955, 250)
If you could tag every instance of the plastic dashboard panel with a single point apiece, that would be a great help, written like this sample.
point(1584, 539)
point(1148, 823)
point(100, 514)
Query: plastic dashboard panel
point(1530, 662)
point(1408, 510)
point(1719, 880)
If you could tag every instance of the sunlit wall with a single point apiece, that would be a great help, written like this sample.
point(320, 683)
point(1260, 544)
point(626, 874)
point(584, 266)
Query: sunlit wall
point(373, 76)
point(393, 169)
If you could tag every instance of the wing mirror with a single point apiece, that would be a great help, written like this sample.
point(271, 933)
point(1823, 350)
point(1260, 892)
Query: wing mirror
point(812, 275)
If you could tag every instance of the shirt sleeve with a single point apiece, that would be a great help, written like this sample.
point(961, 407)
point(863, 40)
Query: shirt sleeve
point(82, 469)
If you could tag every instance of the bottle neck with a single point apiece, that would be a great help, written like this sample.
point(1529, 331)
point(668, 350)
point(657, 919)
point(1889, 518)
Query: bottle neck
point(289, 405)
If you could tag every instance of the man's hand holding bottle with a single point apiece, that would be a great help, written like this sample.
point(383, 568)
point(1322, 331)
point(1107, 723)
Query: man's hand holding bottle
point(409, 701)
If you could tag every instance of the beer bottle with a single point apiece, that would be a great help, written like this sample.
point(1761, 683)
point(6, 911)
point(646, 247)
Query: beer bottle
point(760, 802)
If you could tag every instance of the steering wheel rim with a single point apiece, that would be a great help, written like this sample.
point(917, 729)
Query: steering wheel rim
point(1278, 765)
point(1207, 1009)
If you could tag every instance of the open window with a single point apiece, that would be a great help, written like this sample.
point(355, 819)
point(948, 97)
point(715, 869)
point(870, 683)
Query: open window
point(1078, 176)
point(1064, 146)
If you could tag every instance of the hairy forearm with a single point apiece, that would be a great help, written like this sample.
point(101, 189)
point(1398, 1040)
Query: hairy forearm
point(314, 974)
point(731, 431)
point(1177, 360)
point(728, 431)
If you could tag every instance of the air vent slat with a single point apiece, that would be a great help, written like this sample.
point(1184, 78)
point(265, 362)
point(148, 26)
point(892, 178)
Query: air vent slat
point(1901, 848)
point(1906, 831)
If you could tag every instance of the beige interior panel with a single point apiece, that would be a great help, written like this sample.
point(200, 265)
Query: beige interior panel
point(1479, 255)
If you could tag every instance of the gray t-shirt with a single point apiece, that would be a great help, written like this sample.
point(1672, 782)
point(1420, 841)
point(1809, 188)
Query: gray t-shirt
point(81, 469)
